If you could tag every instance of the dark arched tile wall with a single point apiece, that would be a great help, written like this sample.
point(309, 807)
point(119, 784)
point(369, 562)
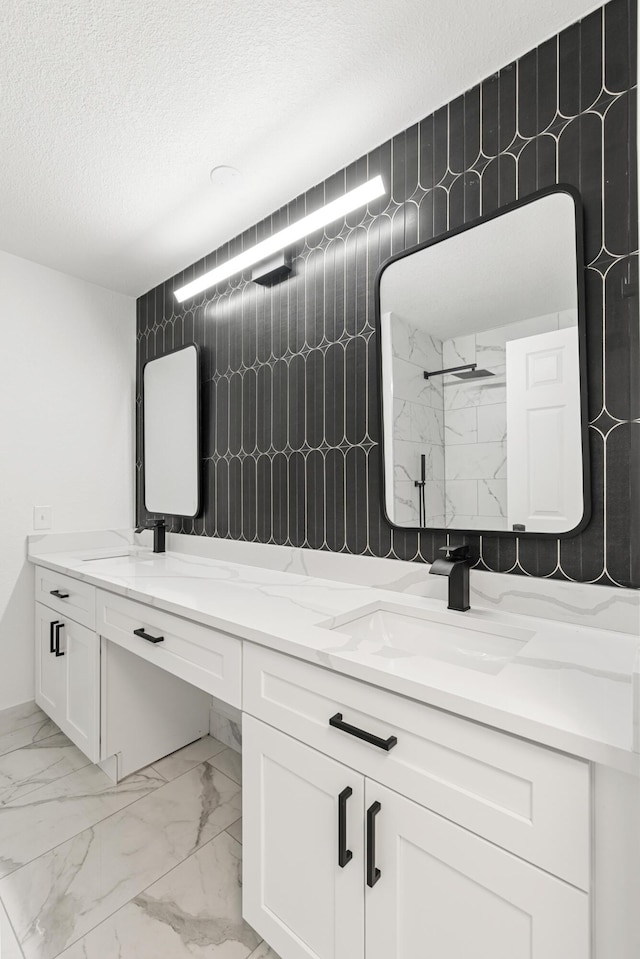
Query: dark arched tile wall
point(290, 393)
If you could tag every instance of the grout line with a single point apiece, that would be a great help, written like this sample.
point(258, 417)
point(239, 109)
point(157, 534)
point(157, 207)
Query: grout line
point(38, 785)
point(32, 743)
point(156, 771)
point(147, 887)
point(104, 819)
point(220, 770)
point(30, 792)
point(12, 927)
point(85, 828)
point(234, 823)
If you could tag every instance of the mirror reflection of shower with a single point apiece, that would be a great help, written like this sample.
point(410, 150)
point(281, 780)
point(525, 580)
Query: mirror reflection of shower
point(468, 372)
point(480, 375)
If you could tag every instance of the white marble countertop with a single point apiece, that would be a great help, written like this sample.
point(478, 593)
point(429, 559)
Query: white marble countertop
point(571, 687)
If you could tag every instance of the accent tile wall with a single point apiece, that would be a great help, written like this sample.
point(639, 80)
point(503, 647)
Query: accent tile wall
point(290, 394)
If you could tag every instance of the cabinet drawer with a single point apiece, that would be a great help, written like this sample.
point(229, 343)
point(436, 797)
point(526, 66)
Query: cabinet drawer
point(204, 657)
point(528, 799)
point(77, 600)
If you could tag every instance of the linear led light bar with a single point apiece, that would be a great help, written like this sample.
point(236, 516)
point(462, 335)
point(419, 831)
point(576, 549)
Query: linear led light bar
point(335, 210)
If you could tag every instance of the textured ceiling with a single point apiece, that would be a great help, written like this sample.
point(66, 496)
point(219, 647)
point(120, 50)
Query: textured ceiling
point(112, 115)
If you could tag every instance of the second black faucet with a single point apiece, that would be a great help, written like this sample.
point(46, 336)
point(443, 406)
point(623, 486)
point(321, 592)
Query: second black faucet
point(455, 565)
point(159, 530)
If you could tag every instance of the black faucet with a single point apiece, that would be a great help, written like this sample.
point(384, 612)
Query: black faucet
point(455, 564)
point(159, 529)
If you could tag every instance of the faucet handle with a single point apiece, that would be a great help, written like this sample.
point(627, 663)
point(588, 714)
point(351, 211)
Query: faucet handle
point(151, 524)
point(455, 553)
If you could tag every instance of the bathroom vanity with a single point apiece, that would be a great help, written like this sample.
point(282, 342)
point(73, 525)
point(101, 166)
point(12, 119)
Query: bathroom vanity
point(410, 774)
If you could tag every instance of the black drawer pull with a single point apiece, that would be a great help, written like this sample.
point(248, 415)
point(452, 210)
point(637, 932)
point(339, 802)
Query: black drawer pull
point(147, 636)
point(344, 855)
point(52, 642)
point(373, 874)
point(58, 627)
point(386, 744)
point(56, 592)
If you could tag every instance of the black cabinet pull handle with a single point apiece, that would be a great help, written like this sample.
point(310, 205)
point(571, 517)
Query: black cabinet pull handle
point(58, 627)
point(385, 744)
point(149, 638)
point(344, 855)
point(373, 874)
point(56, 592)
point(52, 644)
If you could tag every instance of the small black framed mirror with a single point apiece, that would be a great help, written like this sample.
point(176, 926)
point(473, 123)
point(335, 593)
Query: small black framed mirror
point(171, 432)
point(482, 374)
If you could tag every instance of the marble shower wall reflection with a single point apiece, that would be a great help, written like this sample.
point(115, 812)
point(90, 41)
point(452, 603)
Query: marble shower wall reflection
point(475, 423)
point(418, 423)
point(475, 429)
point(459, 426)
point(290, 417)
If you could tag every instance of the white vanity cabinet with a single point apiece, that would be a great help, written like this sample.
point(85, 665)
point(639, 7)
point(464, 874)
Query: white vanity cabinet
point(67, 657)
point(294, 892)
point(50, 669)
point(445, 892)
point(449, 875)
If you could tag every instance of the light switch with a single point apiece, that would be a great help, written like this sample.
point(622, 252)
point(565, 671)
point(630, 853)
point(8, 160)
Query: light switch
point(42, 517)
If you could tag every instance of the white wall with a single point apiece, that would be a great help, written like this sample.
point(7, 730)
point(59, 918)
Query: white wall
point(67, 376)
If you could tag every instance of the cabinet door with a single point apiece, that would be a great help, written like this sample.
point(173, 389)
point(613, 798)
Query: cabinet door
point(81, 721)
point(295, 892)
point(50, 669)
point(445, 893)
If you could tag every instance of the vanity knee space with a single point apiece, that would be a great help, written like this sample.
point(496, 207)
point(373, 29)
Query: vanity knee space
point(127, 683)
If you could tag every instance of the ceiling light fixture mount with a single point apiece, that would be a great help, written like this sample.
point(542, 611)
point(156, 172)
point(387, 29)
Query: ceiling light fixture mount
point(224, 176)
point(332, 211)
point(272, 271)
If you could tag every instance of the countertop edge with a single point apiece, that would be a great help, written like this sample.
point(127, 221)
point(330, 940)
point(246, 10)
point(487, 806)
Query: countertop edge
point(566, 741)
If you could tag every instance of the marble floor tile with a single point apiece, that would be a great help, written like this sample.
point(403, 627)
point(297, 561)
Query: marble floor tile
point(48, 816)
point(235, 830)
point(263, 951)
point(26, 769)
point(63, 894)
point(195, 910)
point(229, 762)
point(17, 717)
point(180, 762)
point(27, 735)
point(9, 948)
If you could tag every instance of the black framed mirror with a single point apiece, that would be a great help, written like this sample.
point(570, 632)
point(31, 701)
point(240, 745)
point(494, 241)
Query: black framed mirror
point(171, 432)
point(482, 374)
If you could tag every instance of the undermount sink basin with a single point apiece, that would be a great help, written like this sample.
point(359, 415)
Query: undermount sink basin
point(116, 553)
point(395, 632)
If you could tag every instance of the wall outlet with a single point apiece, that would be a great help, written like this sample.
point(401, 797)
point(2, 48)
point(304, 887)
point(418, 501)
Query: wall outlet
point(42, 517)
